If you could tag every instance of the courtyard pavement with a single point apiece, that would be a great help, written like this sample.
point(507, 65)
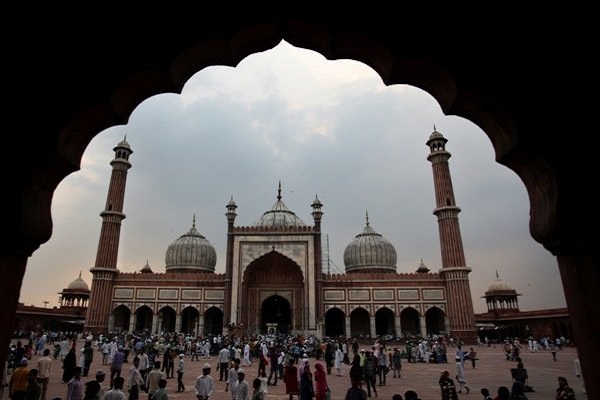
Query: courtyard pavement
point(492, 370)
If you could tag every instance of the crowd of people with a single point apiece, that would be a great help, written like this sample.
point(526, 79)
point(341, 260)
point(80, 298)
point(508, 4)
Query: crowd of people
point(276, 358)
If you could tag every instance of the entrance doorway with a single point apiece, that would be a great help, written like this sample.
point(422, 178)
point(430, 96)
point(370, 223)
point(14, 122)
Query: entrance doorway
point(275, 312)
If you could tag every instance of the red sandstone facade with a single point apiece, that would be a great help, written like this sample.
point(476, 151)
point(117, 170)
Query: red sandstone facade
point(274, 281)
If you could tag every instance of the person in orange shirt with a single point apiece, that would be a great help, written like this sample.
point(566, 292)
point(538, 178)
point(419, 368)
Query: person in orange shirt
point(17, 387)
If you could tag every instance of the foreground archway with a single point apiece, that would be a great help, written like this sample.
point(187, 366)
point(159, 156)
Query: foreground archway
point(506, 93)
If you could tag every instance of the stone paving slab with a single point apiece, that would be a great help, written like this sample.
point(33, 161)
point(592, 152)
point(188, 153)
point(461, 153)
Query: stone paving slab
point(492, 370)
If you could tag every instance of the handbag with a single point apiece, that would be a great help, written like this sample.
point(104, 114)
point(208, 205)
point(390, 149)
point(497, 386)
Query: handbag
point(328, 394)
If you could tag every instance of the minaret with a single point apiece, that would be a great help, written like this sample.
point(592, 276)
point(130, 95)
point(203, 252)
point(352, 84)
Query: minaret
point(317, 215)
point(105, 268)
point(454, 270)
point(230, 214)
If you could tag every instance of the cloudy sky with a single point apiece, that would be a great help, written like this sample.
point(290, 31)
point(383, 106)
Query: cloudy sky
point(326, 128)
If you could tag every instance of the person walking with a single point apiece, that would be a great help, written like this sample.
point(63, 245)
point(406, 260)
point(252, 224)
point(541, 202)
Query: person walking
point(69, 364)
point(307, 389)
point(17, 386)
point(241, 389)
point(153, 379)
point(88, 357)
point(473, 357)
point(100, 377)
point(258, 393)
point(223, 365)
point(180, 370)
point(75, 386)
point(116, 393)
point(321, 385)
point(232, 376)
point(273, 355)
point(382, 366)
point(397, 362)
point(117, 364)
point(356, 391)
point(44, 367)
point(370, 372)
point(460, 371)
point(447, 387)
point(144, 363)
point(338, 361)
point(290, 378)
point(161, 392)
point(92, 390)
point(135, 382)
point(204, 384)
point(34, 389)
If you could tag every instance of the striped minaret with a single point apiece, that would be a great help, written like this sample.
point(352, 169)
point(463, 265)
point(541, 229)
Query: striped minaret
point(455, 272)
point(105, 269)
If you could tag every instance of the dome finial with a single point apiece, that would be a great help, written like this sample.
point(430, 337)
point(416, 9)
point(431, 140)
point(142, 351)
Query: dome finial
point(367, 217)
point(194, 221)
point(79, 274)
point(434, 128)
point(279, 191)
point(497, 276)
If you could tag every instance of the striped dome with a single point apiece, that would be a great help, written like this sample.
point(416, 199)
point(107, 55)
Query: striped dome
point(279, 215)
point(370, 252)
point(191, 252)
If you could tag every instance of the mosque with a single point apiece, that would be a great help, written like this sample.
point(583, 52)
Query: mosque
point(274, 281)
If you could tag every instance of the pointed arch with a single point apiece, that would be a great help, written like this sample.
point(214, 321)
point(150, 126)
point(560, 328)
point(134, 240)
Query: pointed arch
point(335, 322)
point(144, 316)
point(435, 321)
point(166, 319)
point(273, 267)
point(410, 322)
point(213, 321)
point(121, 318)
point(360, 323)
point(384, 322)
point(189, 320)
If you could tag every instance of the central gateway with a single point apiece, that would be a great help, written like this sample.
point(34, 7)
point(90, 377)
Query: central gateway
point(273, 290)
point(272, 271)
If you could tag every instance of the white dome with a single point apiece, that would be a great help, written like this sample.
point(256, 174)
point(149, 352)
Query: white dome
point(370, 251)
point(499, 285)
point(78, 284)
point(279, 215)
point(191, 252)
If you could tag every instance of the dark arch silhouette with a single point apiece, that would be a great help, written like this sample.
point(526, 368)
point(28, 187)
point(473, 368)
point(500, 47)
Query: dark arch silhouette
point(504, 87)
point(213, 321)
point(410, 322)
point(166, 319)
point(143, 319)
point(121, 317)
point(384, 322)
point(360, 323)
point(434, 321)
point(189, 320)
point(335, 322)
point(276, 313)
